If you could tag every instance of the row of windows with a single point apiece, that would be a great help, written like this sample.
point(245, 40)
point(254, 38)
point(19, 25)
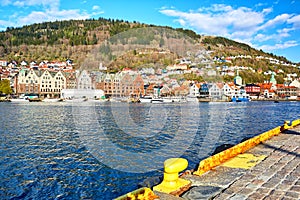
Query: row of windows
point(46, 86)
point(50, 90)
point(31, 81)
point(46, 77)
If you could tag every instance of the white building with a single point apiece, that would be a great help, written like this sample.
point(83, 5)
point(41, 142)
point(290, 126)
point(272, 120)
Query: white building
point(85, 81)
point(81, 93)
point(216, 91)
point(195, 90)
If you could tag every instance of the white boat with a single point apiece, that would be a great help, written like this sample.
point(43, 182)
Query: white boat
point(20, 99)
point(191, 98)
point(98, 100)
point(146, 99)
point(176, 99)
point(158, 100)
point(51, 100)
point(76, 100)
point(118, 99)
point(150, 99)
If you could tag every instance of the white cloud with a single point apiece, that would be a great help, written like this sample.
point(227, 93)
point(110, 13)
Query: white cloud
point(262, 37)
point(280, 19)
point(219, 19)
point(282, 33)
point(181, 22)
point(6, 2)
point(50, 15)
point(53, 4)
point(241, 24)
point(19, 3)
point(5, 24)
point(285, 45)
point(267, 10)
point(48, 11)
point(295, 20)
point(96, 11)
point(96, 7)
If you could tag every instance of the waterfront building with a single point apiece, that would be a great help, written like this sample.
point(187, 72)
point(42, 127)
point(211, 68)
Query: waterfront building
point(126, 85)
point(229, 89)
point(84, 80)
point(71, 80)
point(43, 83)
point(121, 84)
point(28, 81)
point(253, 90)
point(46, 84)
point(289, 92)
point(51, 84)
point(59, 83)
point(149, 89)
point(195, 90)
point(204, 91)
point(165, 90)
point(182, 90)
point(138, 85)
point(295, 83)
point(216, 91)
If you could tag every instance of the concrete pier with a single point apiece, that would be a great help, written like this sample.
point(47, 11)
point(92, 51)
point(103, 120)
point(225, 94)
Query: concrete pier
point(269, 169)
point(275, 173)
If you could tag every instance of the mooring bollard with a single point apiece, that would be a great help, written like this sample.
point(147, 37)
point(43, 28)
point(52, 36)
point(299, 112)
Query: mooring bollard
point(285, 125)
point(171, 183)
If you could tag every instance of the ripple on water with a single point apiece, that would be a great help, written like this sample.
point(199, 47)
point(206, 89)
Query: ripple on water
point(42, 155)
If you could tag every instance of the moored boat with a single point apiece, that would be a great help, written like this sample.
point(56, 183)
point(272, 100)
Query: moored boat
point(34, 99)
point(241, 97)
point(157, 100)
point(51, 100)
point(146, 99)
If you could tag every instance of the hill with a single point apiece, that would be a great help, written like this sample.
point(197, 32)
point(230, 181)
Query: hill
point(77, 39)
point(60, 40)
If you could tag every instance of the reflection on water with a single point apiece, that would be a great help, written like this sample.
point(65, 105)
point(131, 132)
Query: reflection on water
point(43, 154)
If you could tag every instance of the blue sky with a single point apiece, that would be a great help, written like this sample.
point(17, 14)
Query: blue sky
point(273, 26)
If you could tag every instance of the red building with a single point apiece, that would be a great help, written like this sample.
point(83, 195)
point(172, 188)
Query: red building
point(252, 89)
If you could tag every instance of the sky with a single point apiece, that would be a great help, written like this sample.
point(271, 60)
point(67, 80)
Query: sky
point(273, 26)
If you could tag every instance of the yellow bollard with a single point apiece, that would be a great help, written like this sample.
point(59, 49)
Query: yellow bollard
point(172, 184)
point(285, 125)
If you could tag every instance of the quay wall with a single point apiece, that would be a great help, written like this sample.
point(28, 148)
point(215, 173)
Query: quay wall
point(217, 159)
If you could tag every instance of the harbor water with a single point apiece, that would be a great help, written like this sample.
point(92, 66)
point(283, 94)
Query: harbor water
point(103, 150)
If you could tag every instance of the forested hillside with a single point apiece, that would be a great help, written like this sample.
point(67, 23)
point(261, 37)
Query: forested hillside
point(75, 39)
point(60, 40)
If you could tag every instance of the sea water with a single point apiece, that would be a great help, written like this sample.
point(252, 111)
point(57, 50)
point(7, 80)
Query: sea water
point(104, 150)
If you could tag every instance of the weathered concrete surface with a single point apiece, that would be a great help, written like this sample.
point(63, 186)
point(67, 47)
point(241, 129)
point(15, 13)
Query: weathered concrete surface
point(276, 177)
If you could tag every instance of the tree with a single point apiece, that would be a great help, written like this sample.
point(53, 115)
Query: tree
point(5, 87)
